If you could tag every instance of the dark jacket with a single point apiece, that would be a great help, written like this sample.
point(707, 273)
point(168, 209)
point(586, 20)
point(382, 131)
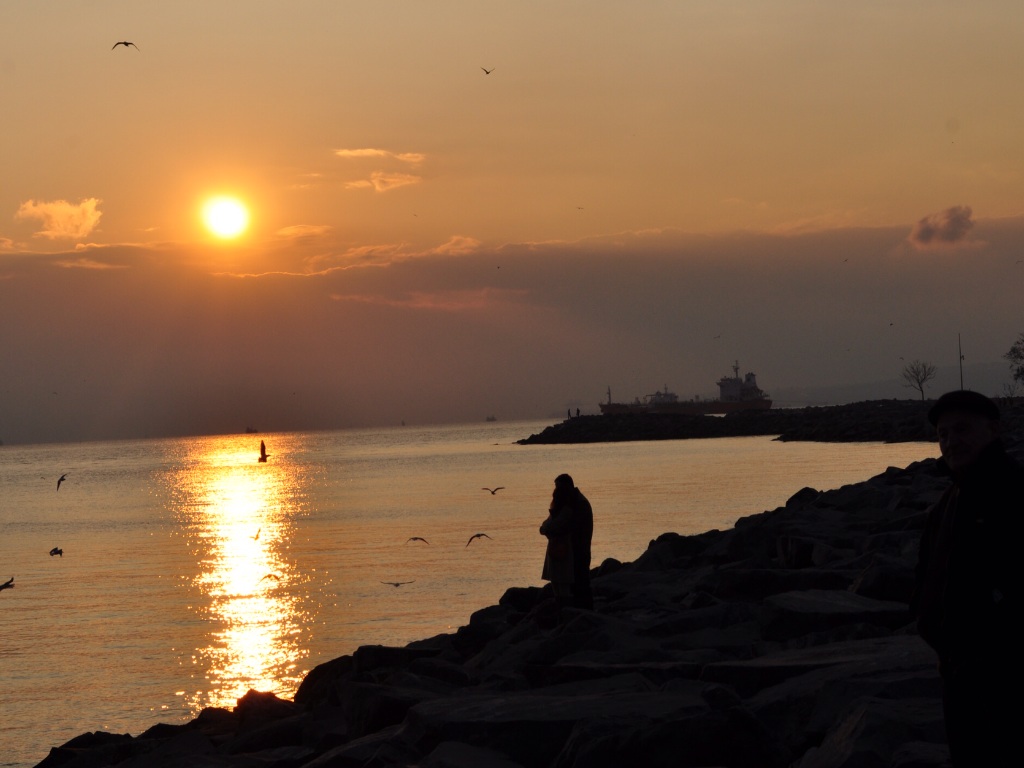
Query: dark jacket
point(969, 577)
point(582, 533)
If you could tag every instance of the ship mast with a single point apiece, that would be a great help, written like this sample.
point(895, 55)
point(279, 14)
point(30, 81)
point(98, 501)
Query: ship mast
point(736, 369)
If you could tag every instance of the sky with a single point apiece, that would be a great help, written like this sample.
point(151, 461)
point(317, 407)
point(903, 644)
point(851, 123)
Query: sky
point(634, 197)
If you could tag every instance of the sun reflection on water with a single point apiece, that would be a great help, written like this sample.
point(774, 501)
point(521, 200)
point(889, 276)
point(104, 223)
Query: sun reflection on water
point(239, 515)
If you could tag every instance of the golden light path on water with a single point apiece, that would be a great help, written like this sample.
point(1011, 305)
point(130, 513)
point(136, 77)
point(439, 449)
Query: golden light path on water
point(239, 515)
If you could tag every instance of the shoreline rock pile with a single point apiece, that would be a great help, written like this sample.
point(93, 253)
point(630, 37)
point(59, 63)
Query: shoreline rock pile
point(890, 421)
point(784, 641)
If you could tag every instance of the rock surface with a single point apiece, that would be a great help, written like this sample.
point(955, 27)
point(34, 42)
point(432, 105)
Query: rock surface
point(785, 641)
point(890, 421)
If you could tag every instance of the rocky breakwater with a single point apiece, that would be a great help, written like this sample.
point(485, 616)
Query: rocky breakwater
point(889, 421)
point(784, 641)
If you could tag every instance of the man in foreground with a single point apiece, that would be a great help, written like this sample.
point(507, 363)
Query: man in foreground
point(968, 598)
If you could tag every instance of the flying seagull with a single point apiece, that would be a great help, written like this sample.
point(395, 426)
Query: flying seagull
point(494, 490)
point(56, 551)
point(61, 479)
point(257, 536)
point(263, 452)
point(397, 583)
point(9, 584)
point(416, 538)
point(125, 43)
point(475, 536)
point(487, 71)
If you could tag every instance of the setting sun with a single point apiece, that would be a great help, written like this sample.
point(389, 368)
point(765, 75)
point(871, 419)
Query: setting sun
point(225, 217)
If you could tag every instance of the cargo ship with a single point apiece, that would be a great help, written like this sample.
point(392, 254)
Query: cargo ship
point(734, 394)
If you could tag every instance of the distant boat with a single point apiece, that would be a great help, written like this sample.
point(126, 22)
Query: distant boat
point(251, 430)
point(263, 452)
point(736, 394)
point(491, 418)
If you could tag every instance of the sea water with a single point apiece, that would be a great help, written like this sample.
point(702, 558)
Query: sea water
point(192, 573)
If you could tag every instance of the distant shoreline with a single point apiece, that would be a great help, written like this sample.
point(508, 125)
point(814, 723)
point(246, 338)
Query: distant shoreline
point(886, 421)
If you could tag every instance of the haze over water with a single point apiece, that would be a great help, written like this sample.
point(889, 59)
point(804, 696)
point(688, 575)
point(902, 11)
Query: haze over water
point(191, 573)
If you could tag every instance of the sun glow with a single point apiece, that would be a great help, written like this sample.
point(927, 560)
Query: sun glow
point(225, 217)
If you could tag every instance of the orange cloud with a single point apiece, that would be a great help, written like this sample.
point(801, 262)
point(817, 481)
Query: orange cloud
point(61, 219)
point(458, 245)
point(413, 158)
point(88, 264)
point(381, 181)
point(296, 231)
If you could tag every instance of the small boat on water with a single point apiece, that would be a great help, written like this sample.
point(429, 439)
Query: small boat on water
point(735, 394)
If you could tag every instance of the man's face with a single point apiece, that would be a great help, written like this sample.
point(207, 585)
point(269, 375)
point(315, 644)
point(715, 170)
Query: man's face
point(963, 436)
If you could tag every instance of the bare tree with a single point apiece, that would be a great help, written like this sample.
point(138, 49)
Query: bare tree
point(916, 374)
point(1016, 358)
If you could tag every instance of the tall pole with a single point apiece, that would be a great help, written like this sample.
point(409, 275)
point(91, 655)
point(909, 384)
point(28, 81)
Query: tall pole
point(960, 352)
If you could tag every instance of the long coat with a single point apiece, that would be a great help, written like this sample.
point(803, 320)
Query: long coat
point(558, 557)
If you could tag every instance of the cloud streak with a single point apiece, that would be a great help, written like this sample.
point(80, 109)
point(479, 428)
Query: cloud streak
point(413, 158)
point(480, 299)
point(382, 181)
point(62, 220)
point(298, 231)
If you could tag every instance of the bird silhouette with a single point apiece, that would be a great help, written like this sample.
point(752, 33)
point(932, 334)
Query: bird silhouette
point(61, 479)
point(273, 576)
point(263, 452)
point(494, 490)
point(475, 536)
point(125, 43)
point(257, 536)
point(416, 538)
point(487, 71)
point(397, 583)
point(56, 551)
point(9, 584)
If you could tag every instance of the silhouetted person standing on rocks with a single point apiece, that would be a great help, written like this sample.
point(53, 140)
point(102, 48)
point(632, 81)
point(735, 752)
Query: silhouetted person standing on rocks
point(578, 524)
point(969, 582)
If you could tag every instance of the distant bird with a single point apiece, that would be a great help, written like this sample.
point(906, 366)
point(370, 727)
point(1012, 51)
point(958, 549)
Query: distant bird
point(263, 452)
point(61, 479)
point(273, 576)
point(475, 536)
point(487, 71)
point(125, 43)
point(56, 551)
point(416, 538)
point(257, 536)
point(9, 584)
point(494, 490)
point(397, 583)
